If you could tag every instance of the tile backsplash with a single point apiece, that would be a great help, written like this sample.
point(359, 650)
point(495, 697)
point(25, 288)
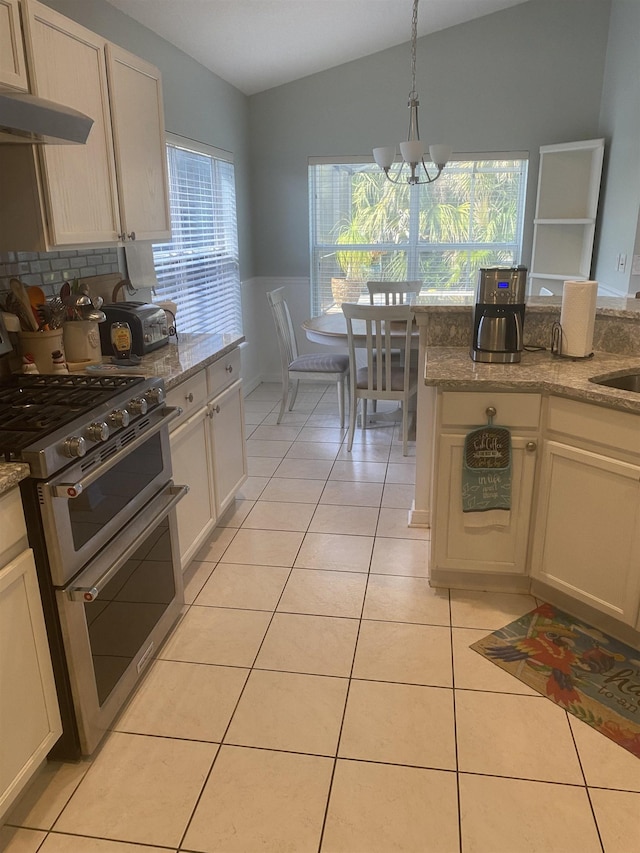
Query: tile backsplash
point(49, 270)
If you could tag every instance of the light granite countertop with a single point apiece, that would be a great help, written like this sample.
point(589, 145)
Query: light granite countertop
point(11, 473)
point(178, 361)
point(451, 369)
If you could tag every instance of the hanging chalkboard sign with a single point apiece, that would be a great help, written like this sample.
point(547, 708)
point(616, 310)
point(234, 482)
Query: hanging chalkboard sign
point(486, 469)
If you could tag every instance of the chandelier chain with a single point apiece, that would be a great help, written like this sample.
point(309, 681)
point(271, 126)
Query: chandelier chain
point(414, 34)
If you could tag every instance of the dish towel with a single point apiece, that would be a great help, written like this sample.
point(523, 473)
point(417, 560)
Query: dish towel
point(486, 478)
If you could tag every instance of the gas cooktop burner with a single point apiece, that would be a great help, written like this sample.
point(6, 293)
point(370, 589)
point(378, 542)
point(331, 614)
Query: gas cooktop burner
point(34, 407)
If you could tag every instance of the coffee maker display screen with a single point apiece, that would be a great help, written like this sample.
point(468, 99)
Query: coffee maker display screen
point(502, 285)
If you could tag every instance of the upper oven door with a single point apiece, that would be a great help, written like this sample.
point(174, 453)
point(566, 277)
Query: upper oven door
point(87, 504)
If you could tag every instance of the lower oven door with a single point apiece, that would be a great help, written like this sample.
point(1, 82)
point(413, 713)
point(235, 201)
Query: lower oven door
point(88, 503)
point(116, 613)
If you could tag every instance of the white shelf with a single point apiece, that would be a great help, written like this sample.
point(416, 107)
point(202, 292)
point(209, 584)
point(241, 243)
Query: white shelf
point(566, 208)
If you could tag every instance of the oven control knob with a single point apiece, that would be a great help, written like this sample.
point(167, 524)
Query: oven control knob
point(98, 431)
point(155, 396)
point(138, 406)
point(119, 418)
point(75, 446)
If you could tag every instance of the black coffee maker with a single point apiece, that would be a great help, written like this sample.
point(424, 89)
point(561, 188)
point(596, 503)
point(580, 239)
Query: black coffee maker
point(498, 317)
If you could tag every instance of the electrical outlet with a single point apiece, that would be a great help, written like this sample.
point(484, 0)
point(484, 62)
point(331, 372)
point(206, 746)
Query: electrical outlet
point(635, 265)
point(621, 263)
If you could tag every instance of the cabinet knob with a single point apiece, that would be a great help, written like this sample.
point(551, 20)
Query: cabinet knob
point(189, 397)
point(132, 236)
point(215, 409)
point(530, 446)
point(491, 411)
point(229, 368)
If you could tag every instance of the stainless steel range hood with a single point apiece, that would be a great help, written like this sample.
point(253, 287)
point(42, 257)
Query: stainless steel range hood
point(32, 120)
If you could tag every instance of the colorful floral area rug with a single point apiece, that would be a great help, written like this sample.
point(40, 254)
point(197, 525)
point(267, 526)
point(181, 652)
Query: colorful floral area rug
point(591, 675)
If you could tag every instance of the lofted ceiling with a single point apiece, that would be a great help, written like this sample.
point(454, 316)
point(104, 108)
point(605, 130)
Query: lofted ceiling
point(258, 44)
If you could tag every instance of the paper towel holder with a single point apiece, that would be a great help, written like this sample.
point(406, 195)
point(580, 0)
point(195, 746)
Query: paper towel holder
point(556, 345)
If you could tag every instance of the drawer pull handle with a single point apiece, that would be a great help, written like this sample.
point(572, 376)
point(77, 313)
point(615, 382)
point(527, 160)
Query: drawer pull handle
point(189, 397)
point(530, 446)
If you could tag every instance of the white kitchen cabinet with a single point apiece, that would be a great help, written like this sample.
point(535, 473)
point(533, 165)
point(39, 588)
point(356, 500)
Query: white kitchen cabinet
point(565, 218)
point(228, 445)
point(208, 450)
point(461, 554)
point(191, 464)
point(13, 70)
point(29, 714)
point(587, 532)
point(137, 118)
point(69, 195)
point(190, 459)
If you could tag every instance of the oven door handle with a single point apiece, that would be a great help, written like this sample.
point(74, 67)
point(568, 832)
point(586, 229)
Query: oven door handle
point(87, 586)
point(72, 490)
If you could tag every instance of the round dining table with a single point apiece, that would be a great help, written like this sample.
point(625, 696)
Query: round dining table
point(331, 330)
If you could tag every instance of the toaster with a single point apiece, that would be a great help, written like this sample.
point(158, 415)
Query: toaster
point(148, 324)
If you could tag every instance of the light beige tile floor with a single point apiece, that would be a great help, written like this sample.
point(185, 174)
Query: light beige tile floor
point(319, 696)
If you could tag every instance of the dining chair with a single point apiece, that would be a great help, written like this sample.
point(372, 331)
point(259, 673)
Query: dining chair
point(382, 378)
point(317, 366)
point(393, 292)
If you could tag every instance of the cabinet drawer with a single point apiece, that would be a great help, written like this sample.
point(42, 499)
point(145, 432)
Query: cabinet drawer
point(190, 395)
point(620, 430)
point(223, 372)
point(470, 409)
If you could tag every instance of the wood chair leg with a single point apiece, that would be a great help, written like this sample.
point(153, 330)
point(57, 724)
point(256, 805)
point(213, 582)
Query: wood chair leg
point(405, 429)
point(353, 411)
point(285, 395)
point(341, 401)
point(294, 394)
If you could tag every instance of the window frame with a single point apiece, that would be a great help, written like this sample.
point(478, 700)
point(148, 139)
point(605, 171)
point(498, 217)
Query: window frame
point(211, 275)
point(413, 247)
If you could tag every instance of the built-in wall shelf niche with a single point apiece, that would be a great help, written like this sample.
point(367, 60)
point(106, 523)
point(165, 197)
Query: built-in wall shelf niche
point(566, 207)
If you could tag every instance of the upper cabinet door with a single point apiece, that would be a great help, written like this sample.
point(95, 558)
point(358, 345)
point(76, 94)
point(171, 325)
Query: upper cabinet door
point(137, 117)
point(13, 72)
point(68, 64)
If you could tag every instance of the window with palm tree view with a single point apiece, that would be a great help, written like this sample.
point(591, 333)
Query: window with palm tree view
point(363, 227)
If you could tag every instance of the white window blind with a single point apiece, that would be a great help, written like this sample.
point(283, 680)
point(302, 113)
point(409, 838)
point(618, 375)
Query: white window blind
point(363, 227)
point(198, 269)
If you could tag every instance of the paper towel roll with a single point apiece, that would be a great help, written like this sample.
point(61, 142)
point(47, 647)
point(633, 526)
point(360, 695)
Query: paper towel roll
point(577, 317)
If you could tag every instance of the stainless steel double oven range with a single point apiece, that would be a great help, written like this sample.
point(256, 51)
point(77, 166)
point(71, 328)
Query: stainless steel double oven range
point(99, 507)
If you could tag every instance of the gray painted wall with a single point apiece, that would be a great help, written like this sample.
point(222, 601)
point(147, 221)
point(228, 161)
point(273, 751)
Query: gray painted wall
point(619, 219)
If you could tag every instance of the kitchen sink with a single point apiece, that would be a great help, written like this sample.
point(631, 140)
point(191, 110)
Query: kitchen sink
point(626, 382)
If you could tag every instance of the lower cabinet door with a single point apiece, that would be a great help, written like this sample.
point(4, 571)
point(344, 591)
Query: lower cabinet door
point(191, 463)
point(228, 445)
point(455, 545)
point(29, 714)
point(587, 539)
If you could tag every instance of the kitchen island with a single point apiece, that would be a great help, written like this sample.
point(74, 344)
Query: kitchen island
point(573, 530)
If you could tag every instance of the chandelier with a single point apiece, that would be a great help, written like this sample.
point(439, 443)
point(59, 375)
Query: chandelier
point(413, 150)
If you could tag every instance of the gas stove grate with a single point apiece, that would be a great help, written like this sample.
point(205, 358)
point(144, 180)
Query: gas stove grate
point(31, 407)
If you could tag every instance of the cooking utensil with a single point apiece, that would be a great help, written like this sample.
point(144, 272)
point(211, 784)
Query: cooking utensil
point(96, 316)
point(19, 291)
point(36, 296)
point(14, 306)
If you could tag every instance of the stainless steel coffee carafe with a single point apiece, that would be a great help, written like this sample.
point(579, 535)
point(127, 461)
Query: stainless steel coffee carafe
point(498, 317)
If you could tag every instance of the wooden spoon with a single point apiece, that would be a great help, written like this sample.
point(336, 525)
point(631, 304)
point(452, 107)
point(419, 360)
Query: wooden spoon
point(19, 290)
